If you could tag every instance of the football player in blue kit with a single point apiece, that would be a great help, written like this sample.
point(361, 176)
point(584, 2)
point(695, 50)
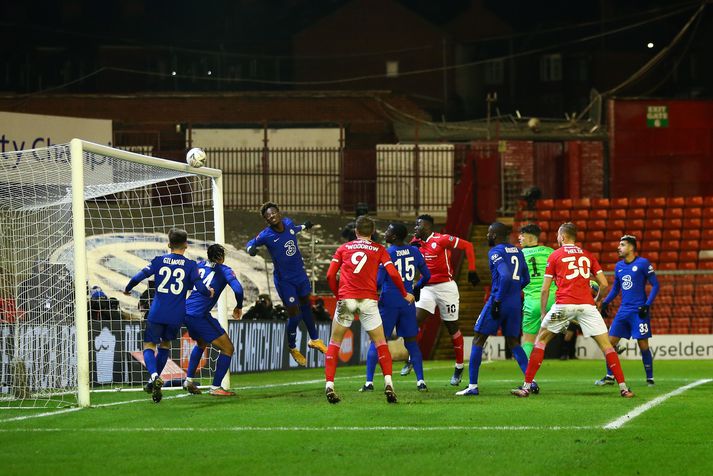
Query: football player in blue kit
point(204, 328)
point(632, 320)
point(175, 276)
point(394, 310)
point(291, 281)
point(504, 306)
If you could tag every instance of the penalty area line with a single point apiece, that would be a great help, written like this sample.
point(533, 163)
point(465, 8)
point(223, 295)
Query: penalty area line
point(623, 420)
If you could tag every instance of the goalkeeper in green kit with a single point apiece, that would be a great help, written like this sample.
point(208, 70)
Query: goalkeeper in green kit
point(536, 259)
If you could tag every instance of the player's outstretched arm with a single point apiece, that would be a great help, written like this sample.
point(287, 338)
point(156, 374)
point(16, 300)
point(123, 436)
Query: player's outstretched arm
point(332, 276)
point(654, 288)
point(235, 285)
point(453, 242)
point(252, 245)
point(140, 276)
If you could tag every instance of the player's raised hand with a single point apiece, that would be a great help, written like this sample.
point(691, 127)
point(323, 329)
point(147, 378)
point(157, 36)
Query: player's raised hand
point(495, 310)
point(252, 250)
point(644, 311)
point(238, 313)
point(604, 309)
point(473, 278)
point(410, 298)
point(307, 225)
point(212, 291)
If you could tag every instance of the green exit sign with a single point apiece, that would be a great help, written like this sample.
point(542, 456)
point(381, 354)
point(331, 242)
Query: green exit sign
point(656, 116)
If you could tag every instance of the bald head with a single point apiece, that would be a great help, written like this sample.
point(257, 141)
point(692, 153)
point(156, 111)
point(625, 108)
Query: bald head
point(498, 233)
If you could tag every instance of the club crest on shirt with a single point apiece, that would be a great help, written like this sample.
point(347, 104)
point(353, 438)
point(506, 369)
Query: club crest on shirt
point(292, 232)
point(635, 268)
point(433, 245)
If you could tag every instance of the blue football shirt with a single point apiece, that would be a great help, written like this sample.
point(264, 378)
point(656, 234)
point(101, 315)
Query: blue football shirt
point(407, 260)
point(631, 279)
point(286, 256)
point(216, 276)
point(509, 273)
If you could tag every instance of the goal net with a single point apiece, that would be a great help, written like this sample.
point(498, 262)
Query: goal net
point(76, 222)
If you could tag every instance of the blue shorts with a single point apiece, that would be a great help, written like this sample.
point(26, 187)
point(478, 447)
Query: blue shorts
point(291, 291)
point(156, 332)
point(401, 317)
point(205, 327)
point(628, 325)
point(510, 320)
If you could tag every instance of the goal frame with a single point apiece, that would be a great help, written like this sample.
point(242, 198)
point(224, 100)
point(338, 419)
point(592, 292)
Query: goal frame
point(77, 148)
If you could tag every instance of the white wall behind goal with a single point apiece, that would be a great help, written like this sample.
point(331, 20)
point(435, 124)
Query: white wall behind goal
point(19, 131)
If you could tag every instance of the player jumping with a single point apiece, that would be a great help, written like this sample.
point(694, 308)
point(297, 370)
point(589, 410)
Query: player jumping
point(441, 290)
point(632, 320)
point(357, 263)
point(571, 267)
point(291, 281)
point(203, 328)
point(536, 258)
point(504, 306)
point(175, 276)
point(394, 311)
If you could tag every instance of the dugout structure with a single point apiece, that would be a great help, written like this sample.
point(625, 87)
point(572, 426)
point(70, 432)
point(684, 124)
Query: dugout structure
point(72, 217)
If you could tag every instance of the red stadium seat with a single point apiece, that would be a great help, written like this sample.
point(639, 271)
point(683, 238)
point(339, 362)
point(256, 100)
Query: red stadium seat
point(705, 264)
point(597, 255)
point(668, 256)
point(660, 325)
point(544, 225)
point(647, 246)
point(706, 245)
point(707, 223)
point(672, 223)
point(653, 256)
point(563, 215)
point(683, 290)
point(619, 203)
point(610, 246)
point(673, 213)
point(636, 213)
point(636, 232)
point(596, 235)
point(580, 214)
point(672, 234)
point(544, 204)
point(657, 202)
point(544, 214)
point(614, 235)
point(708, 213)
point(594, 246)
point(675, 201)
point(616, 225)
point(694, 202)
point(608, 266)
point(581, 203)
point(598, 214)
point(617, 214)
point(692, 212)
point(670, 245)
point(690, 245)
point(700, 328)
point(581, 225)
point(708, 201)
point(692, 223)
point(563, 203)
point(690, 234)
point(654, 212)
point(667, 266)
point(686, 266)
point(638, 202)
point(653, 234)
point(600, 203)
point(598, 225)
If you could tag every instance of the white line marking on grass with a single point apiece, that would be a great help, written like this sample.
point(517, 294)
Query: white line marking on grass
point(238, 429)
point(621, 421)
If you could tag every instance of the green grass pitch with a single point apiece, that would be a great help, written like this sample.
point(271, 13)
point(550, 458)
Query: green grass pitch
point(280, 423)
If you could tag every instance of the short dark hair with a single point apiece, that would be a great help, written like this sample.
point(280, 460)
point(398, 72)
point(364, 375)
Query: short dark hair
point(216, 252)
point(177, 237)
point(569, 229)
point(400, 230)
point(500, 229)
point(267, 205)
point(631, 239)
point(365, 226)
point(348, 232)
point(427, 218)
point(531, 229)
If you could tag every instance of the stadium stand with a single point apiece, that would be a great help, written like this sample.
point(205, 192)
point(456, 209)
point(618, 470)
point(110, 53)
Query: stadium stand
point(672, 233)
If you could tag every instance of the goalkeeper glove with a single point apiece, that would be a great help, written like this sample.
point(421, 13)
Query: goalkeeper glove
point(473, 278)
point(252, 250)
point(307, 225)
point(604, 309)
point(495, 310)
point(644, 311)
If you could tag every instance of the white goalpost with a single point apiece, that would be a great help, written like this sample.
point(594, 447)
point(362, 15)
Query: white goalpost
point(77, 221)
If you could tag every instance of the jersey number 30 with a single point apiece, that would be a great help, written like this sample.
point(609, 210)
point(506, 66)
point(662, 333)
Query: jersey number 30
point(581, 267)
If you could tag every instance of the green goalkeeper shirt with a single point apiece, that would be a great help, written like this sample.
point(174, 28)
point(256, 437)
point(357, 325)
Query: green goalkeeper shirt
point(536, 259)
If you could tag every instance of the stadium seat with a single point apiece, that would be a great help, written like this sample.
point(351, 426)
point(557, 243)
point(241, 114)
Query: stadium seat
point(708, 201)
point(660, 325)
point(638, 202)
point(594, 246)
point(600, 203)
point(692, 223)
point(654, 213)
point(675, 201)
point(692, 213)
point(598, 214)
point(636, 232)
point(544, 204)
point(668, 266)
point(598, 225)
point(707, 223)
point(544, 225)
point(706, 244)
point(673, 213)
point(684, 299)
point(653, 256)
point(613, 235)
point(668, 256)
point(657, 202)
point(610, 247)
point(616, 225)
point(700, 328)
point(687, 266)
point(707, 213)
point(563, 203)
point(670, 245)
point(636, 213)
point(672, 234)
point(582, 203)
point(544, 214)
point(609, 266)
point(705, 264)
point(596, 235)
point(582, 225)
point(683, 290)
point(597, 255)
point(672, 223)
point(690, 233)
point(694, 202)
point(653, 245)
point(563, 215)
point(653, 234)
point(617, 214)
point(619, 203)
point(580, 214)
point(689, 245)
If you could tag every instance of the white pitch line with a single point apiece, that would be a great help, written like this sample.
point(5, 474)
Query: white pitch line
point(238, 429)
point(621, 421)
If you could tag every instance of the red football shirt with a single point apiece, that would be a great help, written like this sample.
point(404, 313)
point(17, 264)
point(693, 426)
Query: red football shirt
point(436, 249)
point(358, 263)
point(572, 268)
